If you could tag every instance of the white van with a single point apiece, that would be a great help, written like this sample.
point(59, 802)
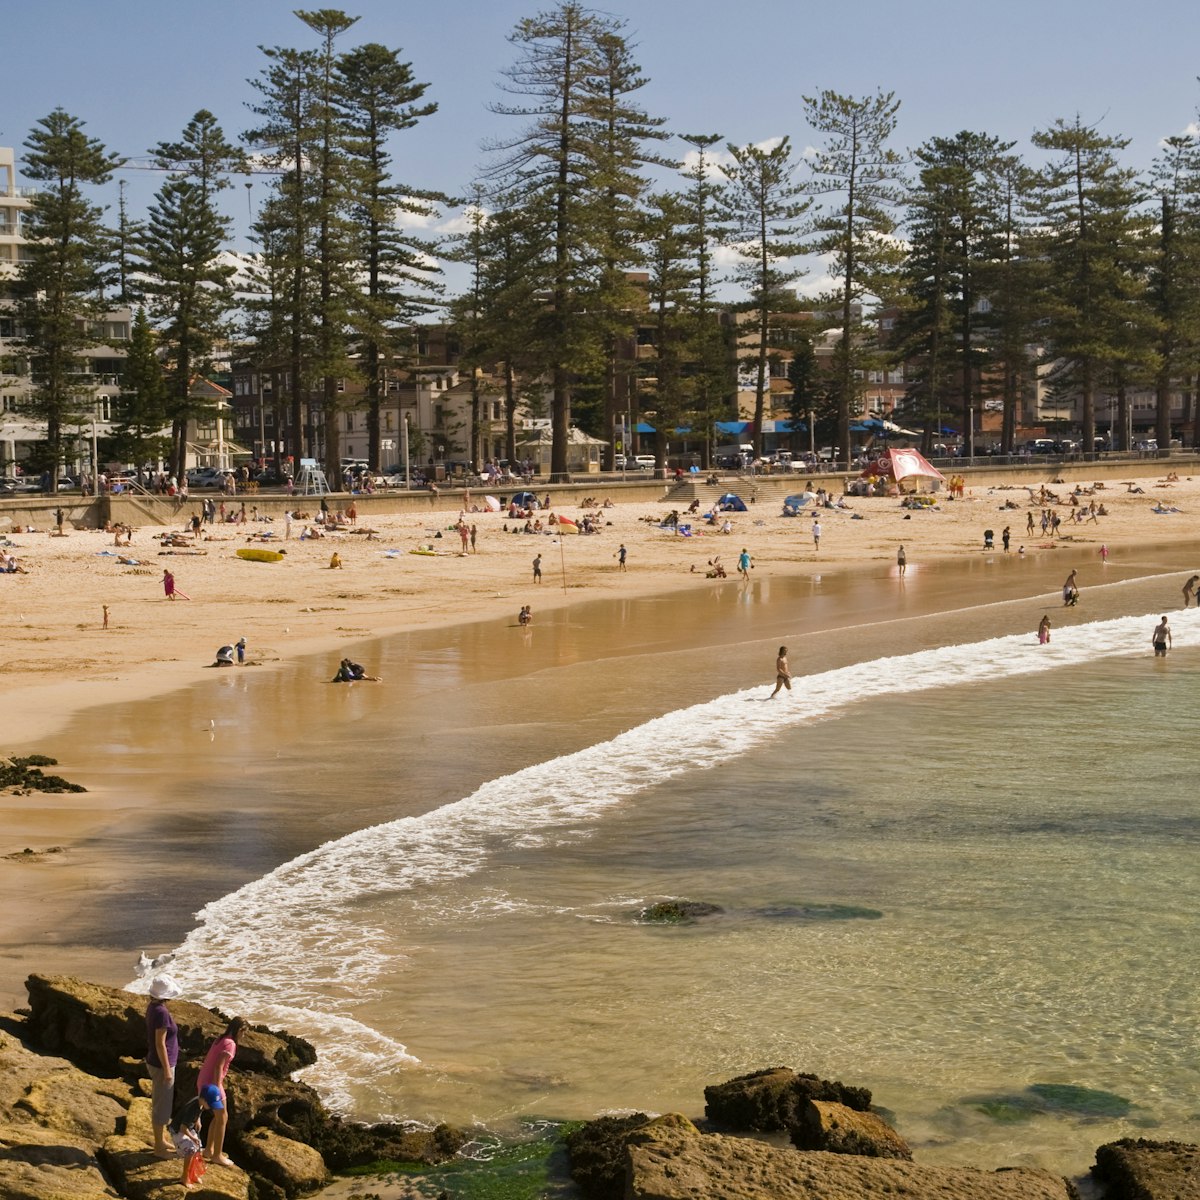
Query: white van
point(644, 461)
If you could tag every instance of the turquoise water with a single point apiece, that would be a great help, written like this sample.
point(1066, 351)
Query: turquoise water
point(1007, 832)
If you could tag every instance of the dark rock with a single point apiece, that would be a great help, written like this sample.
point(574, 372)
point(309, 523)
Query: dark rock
point(771, 1100)
point(597, 1155)
point(1137, 1169)
point(670, 1162)
point(95, 1026)
point(818, 912)
point(842, 1130)
point(678, 912)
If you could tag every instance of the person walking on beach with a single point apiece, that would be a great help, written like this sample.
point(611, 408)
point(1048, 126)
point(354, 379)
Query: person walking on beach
point(1029, 523)
point(169, 588)
point(1006, 537)
point(783, 676)
point(901, 561)
point(1070, 590)
point(744, 563)
point(474, 535)
point(1044, 630)
point(537, 569)
point(162, 1053)
point(1103, 554)
point(816, 532)
point(212, 1075)
point(1161, 638)
point(621, 555)
point(1189, 590)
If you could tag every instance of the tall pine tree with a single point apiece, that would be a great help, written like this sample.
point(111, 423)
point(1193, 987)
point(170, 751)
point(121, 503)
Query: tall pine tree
point(60, 283)
point(762, 210)
point(861, 176)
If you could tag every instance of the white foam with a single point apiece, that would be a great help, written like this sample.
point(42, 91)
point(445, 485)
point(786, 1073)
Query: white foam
point(293, 947)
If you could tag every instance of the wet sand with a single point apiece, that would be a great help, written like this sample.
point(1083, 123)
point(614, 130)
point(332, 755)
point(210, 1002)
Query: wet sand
point(200, 780)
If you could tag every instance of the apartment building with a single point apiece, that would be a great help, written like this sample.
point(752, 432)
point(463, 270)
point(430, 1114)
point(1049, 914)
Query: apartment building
point(100, 366)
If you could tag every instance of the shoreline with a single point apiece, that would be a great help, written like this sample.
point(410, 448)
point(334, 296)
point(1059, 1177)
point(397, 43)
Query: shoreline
point(849, 589)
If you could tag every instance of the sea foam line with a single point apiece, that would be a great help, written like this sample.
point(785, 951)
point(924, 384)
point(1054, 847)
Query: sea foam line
point(295, 943)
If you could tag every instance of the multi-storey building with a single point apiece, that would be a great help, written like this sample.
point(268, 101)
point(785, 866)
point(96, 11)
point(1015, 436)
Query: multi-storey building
point(100, 365)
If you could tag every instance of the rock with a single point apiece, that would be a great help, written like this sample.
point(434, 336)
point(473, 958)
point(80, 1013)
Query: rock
point(771, 1100)
point(46, 1164)
point(292, 1166)
point(139, 1175)
point(95, 1026)
point(55, 1094)
point(597, 1154)
point(666, 1163)
point(678, 912)
point(842, 1130)
point(1137, 1169)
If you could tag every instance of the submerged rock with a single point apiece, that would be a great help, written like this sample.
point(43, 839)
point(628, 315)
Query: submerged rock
point(678, 912)
point(1040, 1098)
point(818, 912)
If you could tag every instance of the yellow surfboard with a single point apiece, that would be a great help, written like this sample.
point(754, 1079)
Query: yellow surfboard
point(257, 554)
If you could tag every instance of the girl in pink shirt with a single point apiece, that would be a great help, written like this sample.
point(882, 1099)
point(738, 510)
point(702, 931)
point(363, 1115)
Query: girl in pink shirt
point(216, 1067)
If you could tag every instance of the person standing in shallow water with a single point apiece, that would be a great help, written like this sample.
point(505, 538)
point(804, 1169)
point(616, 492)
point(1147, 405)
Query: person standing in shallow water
point(1161, 638)
point(1044, 630)
point(1189, 590)
point(783, 676)
point(901, 561)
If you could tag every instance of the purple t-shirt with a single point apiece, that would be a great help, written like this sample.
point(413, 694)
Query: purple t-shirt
point(157, 1017)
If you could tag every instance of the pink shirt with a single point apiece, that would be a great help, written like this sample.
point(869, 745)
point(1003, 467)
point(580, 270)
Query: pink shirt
point(216, 1063)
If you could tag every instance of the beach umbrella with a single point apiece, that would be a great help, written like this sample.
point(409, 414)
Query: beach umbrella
point(491, 503)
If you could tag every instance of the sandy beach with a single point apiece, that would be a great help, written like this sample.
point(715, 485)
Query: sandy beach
point(65, 673)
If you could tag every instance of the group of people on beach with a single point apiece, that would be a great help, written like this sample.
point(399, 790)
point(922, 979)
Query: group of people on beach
point(178, 1131)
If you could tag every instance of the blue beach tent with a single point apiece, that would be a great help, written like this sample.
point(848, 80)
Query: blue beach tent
point(731, 503)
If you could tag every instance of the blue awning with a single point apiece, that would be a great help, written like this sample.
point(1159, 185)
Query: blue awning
point(642, 427)
point(733, 426)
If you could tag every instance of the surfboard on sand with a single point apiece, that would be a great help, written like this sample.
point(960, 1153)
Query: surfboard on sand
point(257, 554)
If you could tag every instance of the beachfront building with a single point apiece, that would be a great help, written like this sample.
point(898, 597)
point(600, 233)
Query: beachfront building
point(429, 407)
point(100, 366)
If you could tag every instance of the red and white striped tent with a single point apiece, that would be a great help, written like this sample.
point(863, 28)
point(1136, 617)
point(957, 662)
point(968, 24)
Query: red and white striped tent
point(905, 471)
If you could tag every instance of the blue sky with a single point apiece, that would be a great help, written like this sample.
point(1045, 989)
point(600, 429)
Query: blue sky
point(137, 71)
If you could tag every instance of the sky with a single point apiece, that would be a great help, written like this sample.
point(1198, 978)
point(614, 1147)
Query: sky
point(137, 71)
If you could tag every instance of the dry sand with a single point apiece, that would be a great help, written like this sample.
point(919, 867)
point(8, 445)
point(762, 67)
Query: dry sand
point(62, 662)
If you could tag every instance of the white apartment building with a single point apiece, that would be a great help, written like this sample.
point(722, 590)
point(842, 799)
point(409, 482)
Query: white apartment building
point(102, 363)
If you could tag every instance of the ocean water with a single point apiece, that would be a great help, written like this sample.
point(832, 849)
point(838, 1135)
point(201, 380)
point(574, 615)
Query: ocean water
point(963, 876)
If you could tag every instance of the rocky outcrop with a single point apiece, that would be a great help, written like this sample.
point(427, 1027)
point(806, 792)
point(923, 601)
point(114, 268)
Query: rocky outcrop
point(95, 1027)
point(89, 1117)
point(598, 1158)
point(771, 1101)
point(1137, 1169)
point(674, 1161)
point(841, 1130)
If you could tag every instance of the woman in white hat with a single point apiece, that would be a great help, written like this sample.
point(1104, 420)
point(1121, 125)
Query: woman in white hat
point(162, 1053)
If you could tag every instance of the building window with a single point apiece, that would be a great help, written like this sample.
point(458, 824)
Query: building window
point(8, 404)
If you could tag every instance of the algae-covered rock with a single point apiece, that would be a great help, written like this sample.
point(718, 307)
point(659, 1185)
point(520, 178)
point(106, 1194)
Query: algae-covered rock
point(771, 1100)
point(597, 1154)
point(678, 912)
